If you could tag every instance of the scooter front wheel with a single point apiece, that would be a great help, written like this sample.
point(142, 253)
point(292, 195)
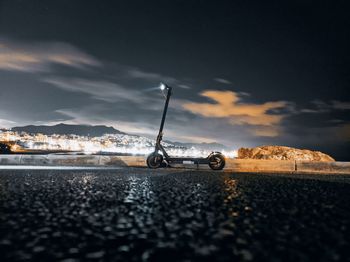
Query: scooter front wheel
point(154, 160)
point(217, 161)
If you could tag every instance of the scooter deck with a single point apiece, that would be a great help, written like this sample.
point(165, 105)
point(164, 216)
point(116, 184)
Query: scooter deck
point(183, 160)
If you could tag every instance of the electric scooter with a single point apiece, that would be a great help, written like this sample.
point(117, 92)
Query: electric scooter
point(160, 158)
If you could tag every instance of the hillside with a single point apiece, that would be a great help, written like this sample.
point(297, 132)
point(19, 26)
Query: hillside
point(64, 129)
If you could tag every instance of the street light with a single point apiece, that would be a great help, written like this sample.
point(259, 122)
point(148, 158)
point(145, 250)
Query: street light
point(162, 86)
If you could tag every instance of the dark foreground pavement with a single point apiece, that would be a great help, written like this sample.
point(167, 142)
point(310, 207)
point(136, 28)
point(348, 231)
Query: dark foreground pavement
point(138, 214)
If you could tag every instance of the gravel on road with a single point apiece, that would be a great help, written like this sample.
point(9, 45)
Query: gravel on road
point(136, 214)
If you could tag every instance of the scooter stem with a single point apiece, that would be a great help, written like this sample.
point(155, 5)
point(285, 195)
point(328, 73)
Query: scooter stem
point(160, 134)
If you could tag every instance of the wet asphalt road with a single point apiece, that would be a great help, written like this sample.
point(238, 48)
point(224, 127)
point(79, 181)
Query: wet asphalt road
point(143, 215)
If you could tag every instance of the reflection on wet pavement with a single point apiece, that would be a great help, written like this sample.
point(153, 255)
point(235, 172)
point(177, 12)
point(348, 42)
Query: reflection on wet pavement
point(138, 214)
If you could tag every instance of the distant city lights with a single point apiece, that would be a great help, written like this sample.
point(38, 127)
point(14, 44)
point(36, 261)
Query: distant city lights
point(106, 144)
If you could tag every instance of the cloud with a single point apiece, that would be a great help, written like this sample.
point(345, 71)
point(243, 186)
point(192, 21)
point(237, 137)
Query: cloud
point(319, 106)
point(97, 89)
point(184, 86)
point(81, 115)
point(36, 57)
point(340, 105)
point(244, 94)
point(196, 139)
point(311, 111)
point(92, 116)
point(136, 73)
point(222, 81)
point(228, 105)
point(39, 56)
point(265, 131)
point(330, 135)
point(4, 123)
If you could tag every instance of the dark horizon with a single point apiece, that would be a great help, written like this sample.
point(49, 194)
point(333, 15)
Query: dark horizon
point(244, 73)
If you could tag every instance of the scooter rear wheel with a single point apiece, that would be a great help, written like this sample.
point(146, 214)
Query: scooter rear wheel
point(154, 160)
point(217, 161)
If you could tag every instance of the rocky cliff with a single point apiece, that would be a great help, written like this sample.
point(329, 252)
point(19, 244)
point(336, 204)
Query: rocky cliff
point(282, 153)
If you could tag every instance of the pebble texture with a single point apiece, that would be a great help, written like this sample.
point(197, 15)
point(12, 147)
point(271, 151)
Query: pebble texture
point(144, 215)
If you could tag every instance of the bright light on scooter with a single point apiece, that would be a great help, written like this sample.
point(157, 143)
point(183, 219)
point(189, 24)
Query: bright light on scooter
point(162, 86)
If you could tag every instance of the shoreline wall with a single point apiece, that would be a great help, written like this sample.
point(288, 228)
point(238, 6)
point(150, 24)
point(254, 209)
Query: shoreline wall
point(233, 165)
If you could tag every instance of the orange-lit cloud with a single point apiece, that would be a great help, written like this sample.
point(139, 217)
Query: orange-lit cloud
point(228, 105)
point(37, 57)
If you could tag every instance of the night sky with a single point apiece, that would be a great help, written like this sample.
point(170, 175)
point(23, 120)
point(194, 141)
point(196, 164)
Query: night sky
point(244, 73)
